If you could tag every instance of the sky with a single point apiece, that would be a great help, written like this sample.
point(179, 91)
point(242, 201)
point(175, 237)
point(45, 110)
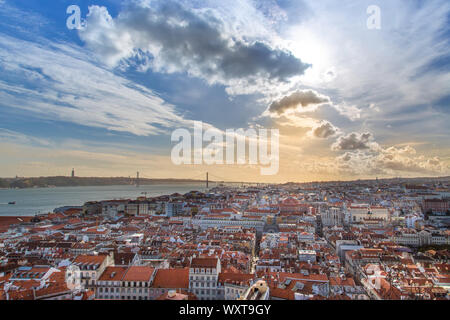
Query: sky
point(350, 101)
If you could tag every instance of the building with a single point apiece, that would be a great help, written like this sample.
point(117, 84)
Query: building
point(109, 285)
point(307, 256)
point(203, 277)
point(174, 208)
point(436, 206)
point(234, 285)
point(167, 280)
point(332, 217)
point(364, 213)
point(92, 267)
point(136, 283)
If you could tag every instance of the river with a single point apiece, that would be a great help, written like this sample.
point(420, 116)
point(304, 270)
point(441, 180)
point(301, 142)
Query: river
point(43, 200)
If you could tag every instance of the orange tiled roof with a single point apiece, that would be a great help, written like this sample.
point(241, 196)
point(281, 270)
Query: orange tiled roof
point(171, 278)
point(138, 273)
point(204, 263)
point(88, 259)
point(113, 274)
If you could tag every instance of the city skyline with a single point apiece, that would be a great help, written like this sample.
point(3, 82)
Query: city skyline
point(350, 101)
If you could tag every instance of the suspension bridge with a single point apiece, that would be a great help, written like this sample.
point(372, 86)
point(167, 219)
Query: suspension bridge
point(209, 179)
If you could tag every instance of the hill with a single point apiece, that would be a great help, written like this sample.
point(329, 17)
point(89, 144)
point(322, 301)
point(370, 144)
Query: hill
point(43, 182)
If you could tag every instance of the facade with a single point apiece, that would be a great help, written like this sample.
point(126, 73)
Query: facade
point(167, 280)
point(436, 206)
point(307, 255)
point(110, 284)
point(222, 223)
point(91, 267)
point(174, 209)
point(232, 286)
point(414, 238)
point(125, 283)
point(204, 277)
point(136, 283)
point(332, 217)
point(363, 213)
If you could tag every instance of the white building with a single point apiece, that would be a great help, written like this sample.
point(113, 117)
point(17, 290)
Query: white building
point(203, 277)
point(363, 212)
point(332, 217)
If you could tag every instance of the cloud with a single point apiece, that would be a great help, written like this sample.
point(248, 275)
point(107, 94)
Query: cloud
point(324, 130)
point(383, 73)
point(61, 82)
point(360, 163)
point(406, 150)
point(170, 38)
point(365, 157)
point(20, 138)
point(295, 99)
point(351, 112)
point(354, 141)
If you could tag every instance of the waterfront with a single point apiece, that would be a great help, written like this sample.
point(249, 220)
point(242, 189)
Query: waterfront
point(42, 200)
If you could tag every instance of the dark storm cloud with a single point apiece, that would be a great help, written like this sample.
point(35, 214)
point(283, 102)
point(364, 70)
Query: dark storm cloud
point(182, 40)
point(292, 101)
point(324, 130)
point(354, 141)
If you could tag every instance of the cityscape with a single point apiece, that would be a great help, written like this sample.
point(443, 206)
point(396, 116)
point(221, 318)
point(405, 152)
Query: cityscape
point(360, 240)
point(241, 157)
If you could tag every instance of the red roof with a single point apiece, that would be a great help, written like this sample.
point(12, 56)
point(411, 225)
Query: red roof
point(204, 263)
point(113, 274)
point(138, 273)
point(171, 279)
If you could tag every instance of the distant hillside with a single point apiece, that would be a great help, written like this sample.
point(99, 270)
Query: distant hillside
point(43, 182)
point(400, 181)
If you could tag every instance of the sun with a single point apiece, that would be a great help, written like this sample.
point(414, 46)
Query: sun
point(308, 47)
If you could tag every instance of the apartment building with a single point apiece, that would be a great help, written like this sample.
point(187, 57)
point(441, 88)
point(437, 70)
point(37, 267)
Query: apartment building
point(203, 277)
